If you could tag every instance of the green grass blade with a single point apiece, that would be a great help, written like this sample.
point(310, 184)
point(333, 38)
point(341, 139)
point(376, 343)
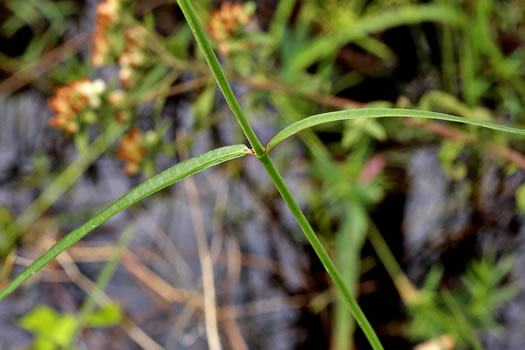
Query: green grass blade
point(220, 77)
point(164, 179)
point(321, 252)
point(61, 184)
point(378, 113)
point(260, 153)
point(406, 15)
point(280, 18)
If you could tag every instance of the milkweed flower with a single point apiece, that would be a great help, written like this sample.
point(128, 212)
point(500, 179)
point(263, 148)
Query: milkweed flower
point(443, 342)
point(117, 98)
point(72, 101)
point(133, 56)
point(227, 22)
point(107, 13)
point(132, 150)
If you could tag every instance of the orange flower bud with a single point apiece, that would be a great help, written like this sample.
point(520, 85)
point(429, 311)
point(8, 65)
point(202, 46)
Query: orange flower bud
point(131, 150)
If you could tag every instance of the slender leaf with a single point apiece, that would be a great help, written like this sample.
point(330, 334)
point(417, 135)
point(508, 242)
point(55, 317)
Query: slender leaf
point(164, 179)
point(278, 181)
point(378, 113)
point(325, 45)
point(220, 77)
point(61, 184)
point(280, 18)
point(321, 252)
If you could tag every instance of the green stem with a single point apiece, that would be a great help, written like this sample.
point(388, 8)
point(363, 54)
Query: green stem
point(320, 251)
point(219, 75)
point(408, 292)
point(262, 155)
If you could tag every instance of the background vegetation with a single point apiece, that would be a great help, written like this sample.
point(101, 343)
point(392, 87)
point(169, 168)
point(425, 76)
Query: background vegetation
point(423, 218)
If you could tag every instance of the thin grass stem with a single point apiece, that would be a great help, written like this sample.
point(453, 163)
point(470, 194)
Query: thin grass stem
point(219, 75)
point(262, 155)
point(320, 251)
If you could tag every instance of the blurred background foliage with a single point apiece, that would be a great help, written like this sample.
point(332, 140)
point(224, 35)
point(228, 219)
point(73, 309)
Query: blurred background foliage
point(424, 219)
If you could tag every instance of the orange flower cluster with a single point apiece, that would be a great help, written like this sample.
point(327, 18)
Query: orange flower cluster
point(226, 21)
point(73, 98)
point(107, 13)
point(117, 99)
point(132, 56)
point(132, 151)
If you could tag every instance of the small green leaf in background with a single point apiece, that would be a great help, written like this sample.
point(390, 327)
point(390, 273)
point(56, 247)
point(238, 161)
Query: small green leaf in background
point(520, 198)
point(108, 315)
point(178, 43)
point(203, 105)
point(467, 309)
point(356, 129)
point(448, 154)
point(51, 329)
point(148, 82)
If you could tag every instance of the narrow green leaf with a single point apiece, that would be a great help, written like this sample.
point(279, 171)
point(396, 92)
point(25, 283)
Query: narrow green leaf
point(220, 77)
point(379, 113)
point(266, 161)
point(280, 18)
point(324, 46)
point(321, 252)
point(164, 179)
point(61, 184)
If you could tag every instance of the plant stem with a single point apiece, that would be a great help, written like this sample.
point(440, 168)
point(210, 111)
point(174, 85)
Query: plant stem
point(320, 251)
point(219, 75)
point(265, 159)
point(408, 292)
